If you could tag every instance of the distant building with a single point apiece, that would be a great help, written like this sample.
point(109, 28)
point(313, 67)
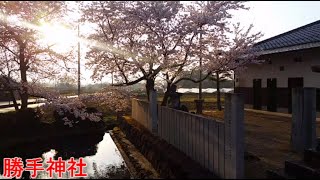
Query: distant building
point(288, 61)
point(4, 93)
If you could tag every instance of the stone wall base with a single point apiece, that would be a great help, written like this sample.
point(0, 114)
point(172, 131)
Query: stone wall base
point(165, 158)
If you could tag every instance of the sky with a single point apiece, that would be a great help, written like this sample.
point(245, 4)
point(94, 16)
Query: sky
point(276, 17)
point(269, 17)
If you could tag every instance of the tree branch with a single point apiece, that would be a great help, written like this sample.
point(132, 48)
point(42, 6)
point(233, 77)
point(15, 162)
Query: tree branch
point(131, 83)
point(190, 79)
point(7, 48)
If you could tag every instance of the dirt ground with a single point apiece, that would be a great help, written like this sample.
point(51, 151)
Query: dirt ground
point(267, 136)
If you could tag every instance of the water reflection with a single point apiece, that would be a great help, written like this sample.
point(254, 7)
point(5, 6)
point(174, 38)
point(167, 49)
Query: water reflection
point(98, 151)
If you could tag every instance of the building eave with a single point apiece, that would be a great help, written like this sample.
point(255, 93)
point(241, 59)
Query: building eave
point(291, 48)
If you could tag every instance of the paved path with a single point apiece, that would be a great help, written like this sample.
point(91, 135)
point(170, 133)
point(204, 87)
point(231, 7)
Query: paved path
point(4, 110)
point(19, 101)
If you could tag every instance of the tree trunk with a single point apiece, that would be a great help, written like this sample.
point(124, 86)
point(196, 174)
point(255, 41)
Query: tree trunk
point(218, 92)
point(166, 95)
point(24, 93)
point(23, 72)
point(149, 86)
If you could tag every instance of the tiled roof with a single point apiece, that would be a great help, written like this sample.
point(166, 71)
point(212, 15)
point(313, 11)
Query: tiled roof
point(306, 34)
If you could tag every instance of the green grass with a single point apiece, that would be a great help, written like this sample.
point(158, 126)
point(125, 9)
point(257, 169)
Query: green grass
point(110, 121)
point(187, 99)
point(109, 118)
point(207, 97)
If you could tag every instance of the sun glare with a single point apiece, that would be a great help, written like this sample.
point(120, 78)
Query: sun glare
point(60, 37)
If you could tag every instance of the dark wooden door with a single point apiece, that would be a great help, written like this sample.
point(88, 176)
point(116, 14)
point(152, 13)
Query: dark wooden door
point(272, 94)
point(293, 83)
point(257, 94)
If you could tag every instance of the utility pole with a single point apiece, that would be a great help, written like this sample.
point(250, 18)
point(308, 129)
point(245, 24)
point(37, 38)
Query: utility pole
point(199, 101)
point(112, 78)
point(234, 82)
point(200, 75)
point(78, 60)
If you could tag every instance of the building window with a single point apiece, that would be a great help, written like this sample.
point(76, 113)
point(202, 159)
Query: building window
point(281, 68)
point(297, 59)
point(237, 79)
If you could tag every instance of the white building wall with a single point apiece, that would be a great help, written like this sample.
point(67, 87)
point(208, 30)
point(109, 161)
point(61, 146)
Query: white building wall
point(292, 69)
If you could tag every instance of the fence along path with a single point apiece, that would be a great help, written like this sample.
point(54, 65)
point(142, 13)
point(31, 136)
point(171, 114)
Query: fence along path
point(217, 146)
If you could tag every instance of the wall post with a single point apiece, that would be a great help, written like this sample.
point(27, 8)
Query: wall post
point(153, 114)
point(303, 131)
point(234, 136)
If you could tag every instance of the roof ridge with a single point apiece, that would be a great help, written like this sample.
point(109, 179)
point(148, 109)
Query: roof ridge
point(274, 37)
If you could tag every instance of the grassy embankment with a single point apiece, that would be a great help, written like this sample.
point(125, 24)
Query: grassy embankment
point(16, 128)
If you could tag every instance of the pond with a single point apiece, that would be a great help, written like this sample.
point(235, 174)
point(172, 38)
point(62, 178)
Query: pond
point(99, 153)
point(204, 90)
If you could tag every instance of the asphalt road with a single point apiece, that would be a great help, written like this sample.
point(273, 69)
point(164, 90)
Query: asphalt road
point(34, 105)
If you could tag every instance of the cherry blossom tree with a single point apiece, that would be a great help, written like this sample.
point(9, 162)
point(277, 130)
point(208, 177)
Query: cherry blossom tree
point(219, 47)
point(113, 98)
point(218, 78)
point(22, 53)
point(140, 41)
point(227, 51)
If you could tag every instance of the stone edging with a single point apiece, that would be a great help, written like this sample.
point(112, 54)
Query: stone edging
point(138, 166)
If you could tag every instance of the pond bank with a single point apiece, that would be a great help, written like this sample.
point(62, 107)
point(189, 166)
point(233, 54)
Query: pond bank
point(8, 142)
point(45, 131)
point(99, 153)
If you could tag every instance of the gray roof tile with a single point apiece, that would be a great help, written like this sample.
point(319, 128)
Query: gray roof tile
point(309, 33)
